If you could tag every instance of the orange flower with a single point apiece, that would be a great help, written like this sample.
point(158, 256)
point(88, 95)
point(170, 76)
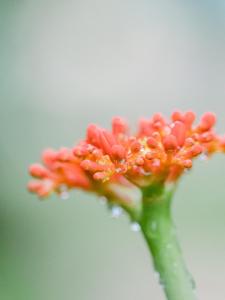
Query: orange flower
point(159, 152)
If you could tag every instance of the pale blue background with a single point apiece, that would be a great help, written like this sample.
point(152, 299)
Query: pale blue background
point(64, 64)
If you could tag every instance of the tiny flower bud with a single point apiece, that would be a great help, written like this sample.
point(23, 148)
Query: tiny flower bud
point(170, 142)
point(140, 161)
point(80, 151)
point(187, 163)
point(189, 118)
point(119, 126)
point(195, 150)
point(93, 134)
point(118, 152)
point(151, 142)
point(208, 121)
point(135, 146)
point(206, 137)
point(63, 154)
point(91, 166)
point(179, 131)
point(177, 116)
point(37, 170)
point(99, 176)
point(49, 156)
point(107, 140)
point(189, 142)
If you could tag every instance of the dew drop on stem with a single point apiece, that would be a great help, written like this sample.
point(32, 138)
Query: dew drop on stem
point(135, 227)
point(102, 200)
point(116, 212)
point(153, 225)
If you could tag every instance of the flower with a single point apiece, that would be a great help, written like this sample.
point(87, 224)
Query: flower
point(136, 173)
point(111, 162)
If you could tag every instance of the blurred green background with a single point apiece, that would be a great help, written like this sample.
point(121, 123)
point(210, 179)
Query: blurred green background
point(64, 64)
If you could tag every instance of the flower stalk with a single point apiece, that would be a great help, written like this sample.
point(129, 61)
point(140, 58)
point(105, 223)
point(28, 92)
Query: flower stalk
point(159, 232)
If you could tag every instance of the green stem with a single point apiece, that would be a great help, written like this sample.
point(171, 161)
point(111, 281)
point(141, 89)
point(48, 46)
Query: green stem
point(158, 229)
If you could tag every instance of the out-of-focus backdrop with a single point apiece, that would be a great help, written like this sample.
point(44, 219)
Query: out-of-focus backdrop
point(64, 64)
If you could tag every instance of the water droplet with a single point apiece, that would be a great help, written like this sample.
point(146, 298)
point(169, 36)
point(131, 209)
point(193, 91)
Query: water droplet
point(143, 172)
point(116, 211)
point(156, 275)
point(192, 281)
point(159, 279)
point(135, 227)
point(103, 200)
point(153, 225)
point(64, 194)
point(162, 282)
point(203, 157)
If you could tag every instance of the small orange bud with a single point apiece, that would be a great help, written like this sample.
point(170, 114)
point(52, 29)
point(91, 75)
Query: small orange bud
point(80, 151)
point(195, 150)
point(140, 161)
point(189, 118)
point(189, 142)
point(37, 170)
point(151, 142)
point(91, 166)
point(179, 131)
point(208, 120)
point(99, 176)
point(119, 126)
point(170, 142)
point(187, 163)
point(93, 134)
point(177, 116)
point(118, 152)
point(135, 146)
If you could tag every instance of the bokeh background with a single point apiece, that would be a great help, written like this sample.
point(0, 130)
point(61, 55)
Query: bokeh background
point(64, 64)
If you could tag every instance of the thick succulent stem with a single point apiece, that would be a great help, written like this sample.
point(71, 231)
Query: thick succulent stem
point(159, 232)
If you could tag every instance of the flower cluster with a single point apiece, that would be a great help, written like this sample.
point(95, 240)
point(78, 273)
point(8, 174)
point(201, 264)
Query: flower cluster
point(159, 152)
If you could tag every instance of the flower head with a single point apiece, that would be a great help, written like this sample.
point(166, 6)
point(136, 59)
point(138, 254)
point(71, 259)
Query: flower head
point(159, 152)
